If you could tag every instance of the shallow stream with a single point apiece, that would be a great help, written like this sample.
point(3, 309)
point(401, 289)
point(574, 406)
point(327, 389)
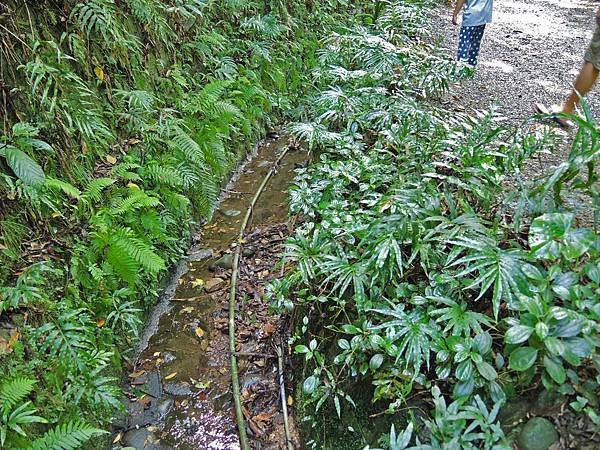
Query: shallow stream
point(180, 386)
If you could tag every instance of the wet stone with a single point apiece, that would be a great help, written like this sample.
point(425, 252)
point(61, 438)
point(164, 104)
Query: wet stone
point(163, 406)
point(120, 420)
point(225, 262)
point(177, 388)
point(152, 415)
point(248, 252)
point(201, 254)
point(142, 438)
point(537, 434)
point(153, 386)
point(249, 380)
point(214, 284)
point(231, 212)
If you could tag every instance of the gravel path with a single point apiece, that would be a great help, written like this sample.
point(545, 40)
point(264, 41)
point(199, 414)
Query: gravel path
point(532, 52)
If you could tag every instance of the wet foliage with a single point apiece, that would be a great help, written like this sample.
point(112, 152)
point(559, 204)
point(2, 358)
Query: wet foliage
point(120, 121)
point(427, 267)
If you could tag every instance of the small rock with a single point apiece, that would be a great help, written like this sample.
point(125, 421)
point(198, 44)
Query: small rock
point(177, 388)
point(119, 420)
point(137, 438)
point(214, 284)
point(537, 434)
point(199, 255)
point(225, 262)
point(153, 386)
point(514, 412)
point(164, 406)
point(231, 212)
point(249, 380)
point(248, 252)
point(141, 438)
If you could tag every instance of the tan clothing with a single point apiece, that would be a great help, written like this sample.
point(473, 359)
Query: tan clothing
point(592, 55)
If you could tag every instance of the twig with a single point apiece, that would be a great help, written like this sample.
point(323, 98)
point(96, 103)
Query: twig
point(286, 423)
point(235, 381)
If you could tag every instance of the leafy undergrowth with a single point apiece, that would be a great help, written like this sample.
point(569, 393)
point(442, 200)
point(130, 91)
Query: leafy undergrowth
point(427, 268)
point(120, 121)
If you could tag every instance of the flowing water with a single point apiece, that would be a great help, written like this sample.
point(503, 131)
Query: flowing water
point(180, 385)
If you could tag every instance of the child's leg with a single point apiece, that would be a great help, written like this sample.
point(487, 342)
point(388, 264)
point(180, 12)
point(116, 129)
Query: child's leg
point(464, 43)
point(475, 44)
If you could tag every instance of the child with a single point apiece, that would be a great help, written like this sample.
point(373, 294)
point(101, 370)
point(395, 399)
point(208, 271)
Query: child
point(477, 14)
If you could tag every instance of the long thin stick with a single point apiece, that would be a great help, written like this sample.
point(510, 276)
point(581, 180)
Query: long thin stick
point(286, 420)
point(235, 381)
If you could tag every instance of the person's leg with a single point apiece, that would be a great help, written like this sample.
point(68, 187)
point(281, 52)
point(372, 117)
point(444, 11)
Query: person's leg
point(476, 44)
point(583, 84)
point(587, 76)
point(464, 43)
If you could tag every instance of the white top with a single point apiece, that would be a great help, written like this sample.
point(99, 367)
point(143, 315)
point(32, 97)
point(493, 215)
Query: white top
point(477, 12)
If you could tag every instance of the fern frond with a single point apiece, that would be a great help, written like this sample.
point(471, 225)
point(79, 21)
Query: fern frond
point(123, 264)
point(69, 436)
point(135, 200)
point(183, 142)
point(165, 175)
point(95, 187)
point(63, 186)
point(15, 390)
point(67, 336)
point(138, 250)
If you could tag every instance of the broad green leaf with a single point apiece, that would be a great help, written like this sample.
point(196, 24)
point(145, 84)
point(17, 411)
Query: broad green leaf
point(310, 384)
point(578, 242)
point(487, 371)
point(517, 334)
point(376, 361)
point(23, 166)
point(554, 345)
point(522, 358)
point(483, 343)
point(464, 371)
point(555, 369)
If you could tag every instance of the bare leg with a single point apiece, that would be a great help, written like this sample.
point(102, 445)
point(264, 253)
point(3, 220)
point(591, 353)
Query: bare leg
point(584, 83)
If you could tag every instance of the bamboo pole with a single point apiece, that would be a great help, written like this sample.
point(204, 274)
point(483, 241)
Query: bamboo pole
point(286, 421)
point(235, 381)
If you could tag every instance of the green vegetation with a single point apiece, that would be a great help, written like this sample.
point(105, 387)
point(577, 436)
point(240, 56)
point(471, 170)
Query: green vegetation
point(427, 267)
point(120, 122)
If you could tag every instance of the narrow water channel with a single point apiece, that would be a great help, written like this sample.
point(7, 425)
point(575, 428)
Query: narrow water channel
point(180, 395)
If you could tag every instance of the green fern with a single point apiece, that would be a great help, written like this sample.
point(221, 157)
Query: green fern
point(69, 436)
point(95, 187)
point(15, 390)
point(137, 199)
point(141, 252)
point(183, 142)
point(164, 175)
point(60, 185)
point(67, 337)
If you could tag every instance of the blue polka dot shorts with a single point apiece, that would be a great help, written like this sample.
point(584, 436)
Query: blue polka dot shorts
point(469, 43)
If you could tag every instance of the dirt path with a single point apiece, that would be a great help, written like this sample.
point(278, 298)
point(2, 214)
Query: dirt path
point(532, 52)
